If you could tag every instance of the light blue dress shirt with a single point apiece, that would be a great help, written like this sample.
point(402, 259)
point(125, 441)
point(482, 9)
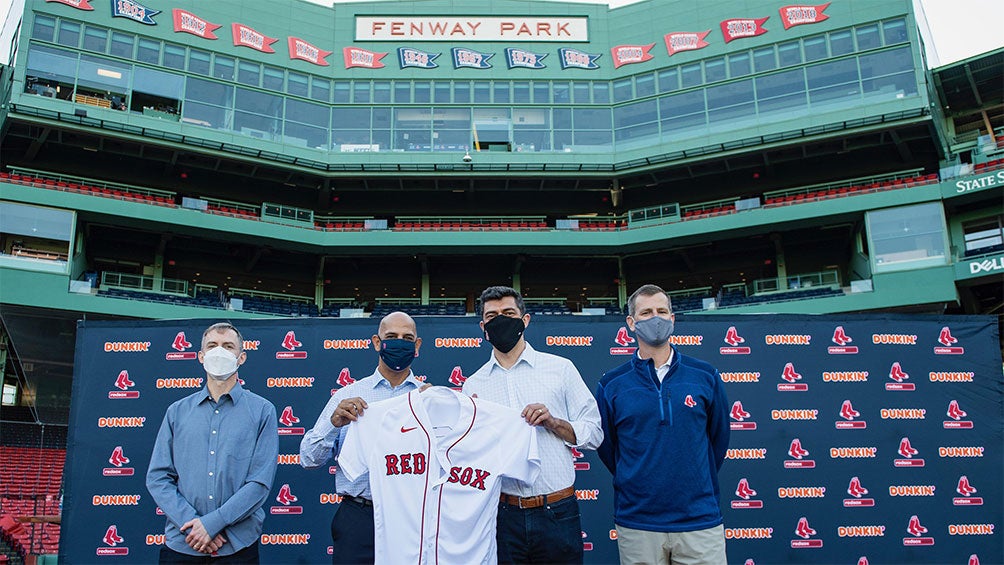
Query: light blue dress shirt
point(215, 461)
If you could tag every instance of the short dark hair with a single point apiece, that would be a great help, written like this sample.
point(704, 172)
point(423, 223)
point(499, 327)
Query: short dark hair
point(498, 293)
point(222, 327)
point(647, 290)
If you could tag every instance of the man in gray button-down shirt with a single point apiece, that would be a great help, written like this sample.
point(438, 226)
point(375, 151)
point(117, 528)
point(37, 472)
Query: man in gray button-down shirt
point(212, 466)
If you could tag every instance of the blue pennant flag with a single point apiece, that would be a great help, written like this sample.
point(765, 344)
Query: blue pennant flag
point(414, 58)
point(574, 59)
point(134, 11)
point(468, 58)
point(522, 58)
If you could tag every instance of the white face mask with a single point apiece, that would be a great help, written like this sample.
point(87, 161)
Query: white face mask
point(219, 363)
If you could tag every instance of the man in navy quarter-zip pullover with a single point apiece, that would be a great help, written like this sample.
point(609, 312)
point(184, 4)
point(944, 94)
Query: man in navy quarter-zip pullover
point(665, 429)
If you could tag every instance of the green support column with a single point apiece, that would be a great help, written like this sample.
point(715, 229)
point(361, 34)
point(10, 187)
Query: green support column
point(622, 294)
point(158, 271)
point(782, 266)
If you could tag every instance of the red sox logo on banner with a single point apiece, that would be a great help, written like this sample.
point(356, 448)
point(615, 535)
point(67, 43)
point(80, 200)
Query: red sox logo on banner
point(857, 490)
point(112, 539)
point(123, 383)
point(180, 347)
point(948, 342)
point(897, 374)
point(288, 419)
point(804, 531)
point(291, 344)
point(118, 459)
point(623, 341)
point(286, 498)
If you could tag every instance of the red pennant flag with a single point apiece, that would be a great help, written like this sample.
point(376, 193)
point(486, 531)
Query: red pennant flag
point(356, 57)
point(248, 37)
point(797, 15)
point(739, 28)
point(685, 41)
point(78, 4)
point(300, 49)
point(188, 22)
point(630, 54)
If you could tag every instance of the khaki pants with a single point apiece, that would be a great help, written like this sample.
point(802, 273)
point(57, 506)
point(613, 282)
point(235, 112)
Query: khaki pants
point(701, 547)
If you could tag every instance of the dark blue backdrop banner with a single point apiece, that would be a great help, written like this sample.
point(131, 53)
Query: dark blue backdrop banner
point(855, 436)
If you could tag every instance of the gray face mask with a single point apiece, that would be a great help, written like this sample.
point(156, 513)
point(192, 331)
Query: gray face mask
point(654, 331)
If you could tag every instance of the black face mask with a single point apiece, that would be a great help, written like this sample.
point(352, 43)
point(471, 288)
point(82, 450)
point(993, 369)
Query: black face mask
point(504, 332)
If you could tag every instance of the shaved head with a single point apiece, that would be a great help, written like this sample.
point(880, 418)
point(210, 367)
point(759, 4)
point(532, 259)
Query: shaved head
point(397, 325)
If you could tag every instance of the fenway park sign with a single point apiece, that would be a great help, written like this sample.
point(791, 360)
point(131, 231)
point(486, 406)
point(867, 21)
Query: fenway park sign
point(471, 28)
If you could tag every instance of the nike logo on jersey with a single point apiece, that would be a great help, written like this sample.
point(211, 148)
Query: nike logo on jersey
point(405, 430)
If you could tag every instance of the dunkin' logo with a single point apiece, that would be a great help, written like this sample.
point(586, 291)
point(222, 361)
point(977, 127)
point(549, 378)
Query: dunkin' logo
point(121, 421)
point(876, 531)
point(347, 344)
point(746, 453)
point(569, 340)
point(740, 377)
point(460, 342)
point(289, 382)
point(749, 533)
point(127, 346)
point(288, 459)
point(180, 382)
point(115, 500)
point(284, 539)
point(587, 494)
point(123, 383)
point(787, 339)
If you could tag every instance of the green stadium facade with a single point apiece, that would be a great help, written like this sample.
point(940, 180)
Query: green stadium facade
point(283, 158)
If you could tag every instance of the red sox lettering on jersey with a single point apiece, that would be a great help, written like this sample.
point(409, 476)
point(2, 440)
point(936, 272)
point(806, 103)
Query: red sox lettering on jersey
point(435, 461)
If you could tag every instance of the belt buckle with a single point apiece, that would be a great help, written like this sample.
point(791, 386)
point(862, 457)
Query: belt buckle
point(529, 499)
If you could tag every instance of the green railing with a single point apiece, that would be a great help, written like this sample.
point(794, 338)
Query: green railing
point(820, 279)
point(128, 281)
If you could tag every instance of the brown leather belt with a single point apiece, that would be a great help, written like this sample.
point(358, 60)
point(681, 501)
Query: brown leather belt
point(539, 500)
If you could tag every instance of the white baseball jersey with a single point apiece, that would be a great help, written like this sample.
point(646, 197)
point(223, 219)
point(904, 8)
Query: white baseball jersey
point(435, 460)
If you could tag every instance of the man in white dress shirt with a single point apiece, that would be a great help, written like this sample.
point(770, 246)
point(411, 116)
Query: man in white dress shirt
point(537, 523)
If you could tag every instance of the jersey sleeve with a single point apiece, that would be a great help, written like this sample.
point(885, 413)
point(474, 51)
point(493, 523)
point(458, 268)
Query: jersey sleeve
point(353, 459)
point(518, 442)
